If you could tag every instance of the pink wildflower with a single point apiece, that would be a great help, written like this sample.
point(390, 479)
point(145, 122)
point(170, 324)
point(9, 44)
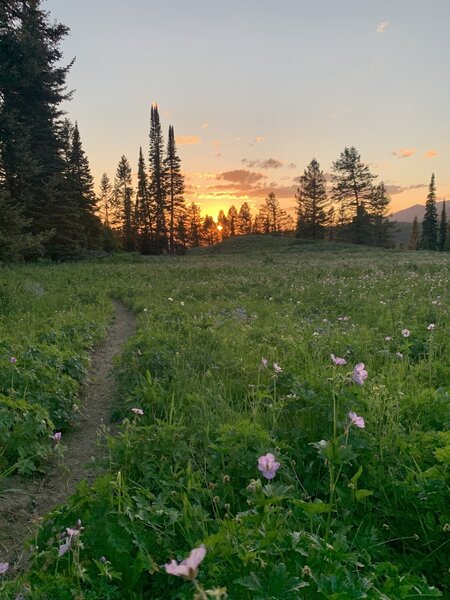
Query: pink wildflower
point(399, 355)
point(406, 333)
point(188, 568)
point(138, 411)
point(277, 368)
point(359, 374)
point(13, 360)
point(356, 420)
point(264, 363)
point(268, 465)
point(3, 568)
point(388, 338)
point(338, 361)
point(57, 436)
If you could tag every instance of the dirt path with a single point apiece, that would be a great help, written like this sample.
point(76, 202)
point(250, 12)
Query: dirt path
point(20, 512)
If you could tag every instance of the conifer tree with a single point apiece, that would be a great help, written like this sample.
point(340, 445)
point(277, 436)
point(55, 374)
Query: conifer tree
point(379, 204)
point(157, 180)
point(352, 188)
point(174, 189)
point(105, 198)
point(123, 204)
point(413, 243)
point(312, 203)
point(32, 88)
point(222, 221)
point(271, 217)
point(209, 231)
point(143, 213)
point(443, 228)
point(194, 226)
point(429, 238)
point(232, 217)
point(244, 220)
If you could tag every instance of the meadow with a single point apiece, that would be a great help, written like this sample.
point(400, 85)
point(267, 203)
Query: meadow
point(283, 409)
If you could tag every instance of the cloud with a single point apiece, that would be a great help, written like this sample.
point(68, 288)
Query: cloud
point(381, 27)
point(205, 125)
point(241, 176)
point(187, 140)
point(394, 189)
point(430, 154)
point(292, 166)
point(268, 163)
point(259, 138)
point(404, 152)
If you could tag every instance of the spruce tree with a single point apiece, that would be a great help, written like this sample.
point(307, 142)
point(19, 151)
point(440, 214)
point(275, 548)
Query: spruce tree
point(105, 198)
point(312, 203)
point(271, 217)
point(413, 243)
point(194, 226)
point(123, 203)
point(174, 189)
point(443, 228)
point(382, 227)
point(222, 222)
point(429, 238)
point(244, 220)
point(209, 231)
point(352, 188)
point(143, 209)
point(232, 218)
point(32, 88)
point(157, 180)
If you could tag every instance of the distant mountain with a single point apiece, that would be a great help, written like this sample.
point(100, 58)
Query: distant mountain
point(418, 210)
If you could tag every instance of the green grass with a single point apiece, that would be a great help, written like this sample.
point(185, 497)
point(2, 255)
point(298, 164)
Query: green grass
point(364, 514)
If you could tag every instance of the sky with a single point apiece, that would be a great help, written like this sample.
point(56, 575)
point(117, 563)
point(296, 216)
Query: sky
point(255, 89)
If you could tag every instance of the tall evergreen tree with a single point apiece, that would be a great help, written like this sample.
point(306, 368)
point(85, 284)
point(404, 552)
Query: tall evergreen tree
point(157, 180)
point(352, 188)
point(382, 227)
point(244, 220)
point(232, 217)
point(271, 217)
point(443, 228)
point(123, 203)
point(32, 88)
point(223, 224)
point(194, 226)
point(312, 203)
point(143, 208)
point(429, 238)
point(174, 189)
point(413, 243)
point(209, 231)
point(105, 198)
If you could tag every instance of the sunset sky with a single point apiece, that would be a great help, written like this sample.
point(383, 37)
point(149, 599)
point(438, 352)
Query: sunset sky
point(255, 89)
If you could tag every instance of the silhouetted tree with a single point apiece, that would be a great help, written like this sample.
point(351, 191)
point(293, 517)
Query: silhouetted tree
point(232, 218)
point(244, 222)
point(271, 217)
point(429, 238)
point(312, 203)
point(143, 213)
point(352, 188)
point(222, 221)
point(382, 227)
point(123, 203)
point(443, 227)
point(413, 243)
point(105, 197)
point(174, 189)
point(158, 180)
point(209, 231)
point(194, 226)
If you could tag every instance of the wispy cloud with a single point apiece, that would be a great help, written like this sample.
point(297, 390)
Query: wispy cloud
point(431, 153)
point(268, 163)
point(187, 140)
point(381, 27)
point(258, 139)
point(394, 189)
point(404, 152)
point(241, 176)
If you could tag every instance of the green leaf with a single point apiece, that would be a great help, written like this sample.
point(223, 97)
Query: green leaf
point(357, 475)
point(361, 494)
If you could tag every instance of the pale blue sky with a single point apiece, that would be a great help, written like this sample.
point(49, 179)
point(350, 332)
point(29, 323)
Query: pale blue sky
point(308, 77)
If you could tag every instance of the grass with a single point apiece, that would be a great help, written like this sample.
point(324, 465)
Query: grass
point(351, 513)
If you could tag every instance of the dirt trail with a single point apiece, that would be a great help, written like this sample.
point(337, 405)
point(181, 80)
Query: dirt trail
point(20, 512)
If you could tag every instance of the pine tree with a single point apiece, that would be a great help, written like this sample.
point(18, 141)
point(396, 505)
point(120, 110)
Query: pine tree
point(312, 203)
point(105, 198)
point(413, 243)
point(443, 228)
point(352, 188)
point(32, 88)
point(379, 204)
point(174, 189)
point(143, 211)
point(157, 180)
point(223, 225)
point(194, 226)
point(429, 238)
point(82, 190)
point(271, 217)
point(232, 218)
point(209, 231)
point(123, 204)
point(244, 223)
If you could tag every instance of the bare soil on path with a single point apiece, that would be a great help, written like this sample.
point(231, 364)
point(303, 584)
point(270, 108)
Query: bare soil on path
point(22, 508)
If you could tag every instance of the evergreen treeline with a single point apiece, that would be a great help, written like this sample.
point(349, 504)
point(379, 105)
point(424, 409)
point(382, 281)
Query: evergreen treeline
point(47, 201)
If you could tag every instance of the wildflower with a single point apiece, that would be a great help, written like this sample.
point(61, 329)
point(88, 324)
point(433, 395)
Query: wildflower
point(431, 327)
point(3, 568)
point(170, 299)
point(277, 368)
point(406, 333)
point(264, 363)
point(57, 436)
point(359, 374)
point(13, 360)
point(356, 420)
point(268, 466)
point(71, 533)
point(64, 547)
point(145, 309)
point(388, 338)
point(138, 411)
point(399, 354)
point(338, 361)
point(188, 568)
point(182, 303)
